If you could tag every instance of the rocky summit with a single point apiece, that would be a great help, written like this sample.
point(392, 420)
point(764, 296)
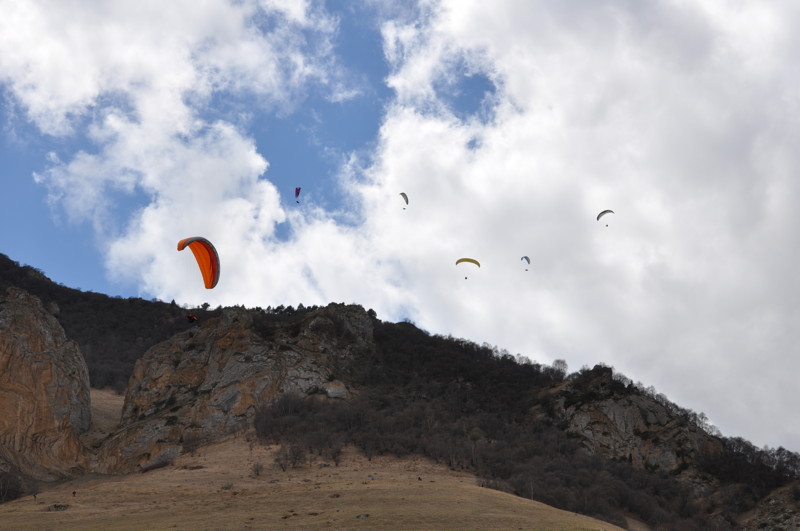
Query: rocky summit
point(208, 381)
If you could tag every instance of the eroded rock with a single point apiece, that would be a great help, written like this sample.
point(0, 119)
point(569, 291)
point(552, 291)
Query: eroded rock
point(44, 391)
point(630, 425)
point(209, 381)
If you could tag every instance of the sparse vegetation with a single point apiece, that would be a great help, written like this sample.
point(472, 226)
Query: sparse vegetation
point(468, 406)
point(290, 456)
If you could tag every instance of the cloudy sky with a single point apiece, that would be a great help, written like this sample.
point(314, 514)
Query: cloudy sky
point(127, 126)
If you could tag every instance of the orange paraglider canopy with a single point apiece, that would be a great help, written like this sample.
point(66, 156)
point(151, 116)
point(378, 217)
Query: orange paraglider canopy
point(206, 256)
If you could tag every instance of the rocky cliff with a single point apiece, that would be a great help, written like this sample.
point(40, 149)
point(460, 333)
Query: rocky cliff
point(44, 392)
point(618, 422)
point(209, 381)
point(779, 510)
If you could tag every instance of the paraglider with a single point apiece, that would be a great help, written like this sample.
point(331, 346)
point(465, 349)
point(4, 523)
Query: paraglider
point(191, 318)
point(405, 198)
point(603, 213)
point(297, 194)
point(468, 260)
point(526, 259)
point(206, 256)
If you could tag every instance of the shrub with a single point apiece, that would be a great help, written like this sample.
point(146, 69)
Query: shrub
point(10, 487)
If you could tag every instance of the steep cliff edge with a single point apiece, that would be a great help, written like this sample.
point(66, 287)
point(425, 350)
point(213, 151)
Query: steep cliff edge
point(208, 381)
point(44, 392)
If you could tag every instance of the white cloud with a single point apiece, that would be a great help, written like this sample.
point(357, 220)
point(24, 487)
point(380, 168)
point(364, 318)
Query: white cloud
point(682, 117)
point(137, 79)
point(674, 115)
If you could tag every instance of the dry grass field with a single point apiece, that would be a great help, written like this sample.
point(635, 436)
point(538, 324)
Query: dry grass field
point(106, 410)
point(217, 489)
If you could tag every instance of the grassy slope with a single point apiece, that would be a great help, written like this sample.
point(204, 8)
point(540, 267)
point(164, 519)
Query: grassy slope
point(316, 496)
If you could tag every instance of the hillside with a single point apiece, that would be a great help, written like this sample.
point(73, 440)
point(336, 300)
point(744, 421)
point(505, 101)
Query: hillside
point(217, 489)
point(319, 383)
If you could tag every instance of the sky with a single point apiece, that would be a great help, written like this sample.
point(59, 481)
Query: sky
point(129, 125)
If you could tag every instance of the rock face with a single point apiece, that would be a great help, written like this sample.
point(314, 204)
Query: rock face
point(209, 381)
point(630, 426)
point(44, 392)
point(779, 510)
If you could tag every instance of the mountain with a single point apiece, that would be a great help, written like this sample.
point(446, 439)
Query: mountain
point(317, 380)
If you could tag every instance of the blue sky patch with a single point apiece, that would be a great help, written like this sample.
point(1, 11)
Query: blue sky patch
point(469, 95)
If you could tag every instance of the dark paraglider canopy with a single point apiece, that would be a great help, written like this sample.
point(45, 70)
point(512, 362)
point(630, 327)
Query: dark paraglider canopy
point(603, 213)
point(297, 194)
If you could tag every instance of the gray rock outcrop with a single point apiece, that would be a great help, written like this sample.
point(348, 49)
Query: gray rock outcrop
point(630, 425)
point(210, 380)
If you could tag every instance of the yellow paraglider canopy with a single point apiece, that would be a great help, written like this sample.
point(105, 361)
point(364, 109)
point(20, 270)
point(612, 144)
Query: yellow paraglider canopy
point(470, 260)
point(206, 256)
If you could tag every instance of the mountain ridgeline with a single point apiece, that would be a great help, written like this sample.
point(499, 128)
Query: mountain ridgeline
point(313, 380)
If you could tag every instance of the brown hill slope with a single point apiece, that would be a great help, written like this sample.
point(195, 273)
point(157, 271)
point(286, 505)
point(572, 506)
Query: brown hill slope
point(216, 489)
